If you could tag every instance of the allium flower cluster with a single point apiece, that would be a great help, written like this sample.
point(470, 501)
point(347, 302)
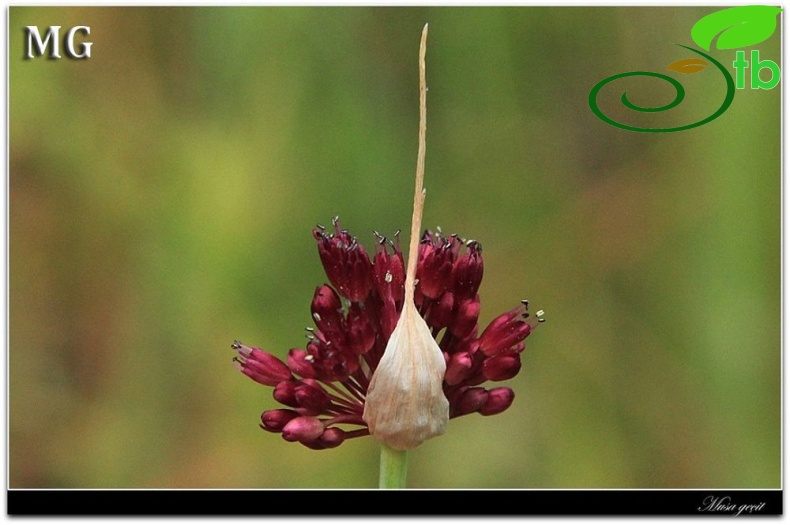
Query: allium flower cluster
point(324, 384)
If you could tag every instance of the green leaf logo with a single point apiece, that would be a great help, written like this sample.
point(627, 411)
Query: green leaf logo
point(738, 26)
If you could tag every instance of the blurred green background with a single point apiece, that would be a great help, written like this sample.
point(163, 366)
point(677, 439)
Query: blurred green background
point(162, 195)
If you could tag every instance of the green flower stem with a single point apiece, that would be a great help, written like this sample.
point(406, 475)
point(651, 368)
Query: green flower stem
point(392, 468)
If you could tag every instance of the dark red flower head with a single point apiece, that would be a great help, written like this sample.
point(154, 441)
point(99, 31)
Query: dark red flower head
point(325, 384)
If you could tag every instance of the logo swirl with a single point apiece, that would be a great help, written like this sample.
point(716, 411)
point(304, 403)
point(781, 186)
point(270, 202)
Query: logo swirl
point(680, 94)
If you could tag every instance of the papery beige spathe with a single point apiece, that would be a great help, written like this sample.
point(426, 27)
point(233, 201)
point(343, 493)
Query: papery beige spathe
point(405, 403)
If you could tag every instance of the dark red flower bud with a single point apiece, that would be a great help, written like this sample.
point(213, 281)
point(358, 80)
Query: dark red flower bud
point(434, 269)
point(303, 429)
point(360, 334)
point(311, 396)
point(301, 362)
point(458, 368)
point(504, 332)
point(465, 318)
point(388, 278)
point(389, 272)
point(285, 392)
point(468, 400)
point(307, 396)
point(419, 297)
point(332, 437)
point(331, 361)
point(468, 270)
point(388, 317)
point(327, 310)
point(261, 366)
point(499, 400)
point(467, 344)
point(275, 420)
point(502, 367)
point(441, 312)
point(345, 261)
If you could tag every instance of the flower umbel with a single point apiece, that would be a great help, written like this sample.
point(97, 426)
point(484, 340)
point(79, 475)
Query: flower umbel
point(373, 362)
point(326, 384)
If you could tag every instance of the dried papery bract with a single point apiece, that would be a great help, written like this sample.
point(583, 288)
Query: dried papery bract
point(405, 403)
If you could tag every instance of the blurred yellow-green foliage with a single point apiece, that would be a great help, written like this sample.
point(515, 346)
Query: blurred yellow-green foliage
point(162, 195)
